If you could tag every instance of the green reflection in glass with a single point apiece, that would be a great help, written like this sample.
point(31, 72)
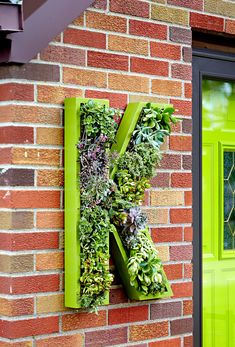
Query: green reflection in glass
point(229, 208)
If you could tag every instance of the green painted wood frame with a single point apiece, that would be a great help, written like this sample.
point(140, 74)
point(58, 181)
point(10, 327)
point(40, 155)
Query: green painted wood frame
point(72, 200)
point(123, 136)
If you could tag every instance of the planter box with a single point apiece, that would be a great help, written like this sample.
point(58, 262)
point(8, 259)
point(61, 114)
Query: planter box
point(120, 259)
point(124, 133)
point(11, 17)
point(72, 202)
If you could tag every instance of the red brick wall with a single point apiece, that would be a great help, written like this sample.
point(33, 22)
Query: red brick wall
point(125, 51)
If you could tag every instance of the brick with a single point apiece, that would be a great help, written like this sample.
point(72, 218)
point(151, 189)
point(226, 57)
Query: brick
point(181, 71)
point(16, 344)
point(128, 315)
point(84, 77)
point(169, 234)
point(187, 126)
point(30, 114)
point(105, 22)
point(101, 4)
point(183, 289)
point(181, 326)
point(202, 21)
point(166, 198)
point(163, 253)
point(156, 216)
point(49, 261)
point(85, 38)
point(188, 90)
point(30, 199)
point(38, 156)
point(129, 83)
point(167, 88)
point(56, 95)
point(180, 143)
point(188, 234)
point(117, 296)
point(165, 50)
point(181, 252)
point(128, 45)
point(64, 55)
point(170, 14)
point(171, 161)
point(61, 341)
point(104, 338)
point(50, 136)
point(130, 7)
point(188, 270)
point(48, 178)
point(166, 343)
point(16, 135)
point(148, 331)
point(50, 220)
point(174, 271)
point(161, 180)
point(50, 303)
point(16, 91)
point(188, 307)
point(16, 307)
point(230, 26)
point(193, 4)
point(180, 35)
point(16, 177)
point(146, 29)
point(31, 71)
point(29, 327)
point(5, 155)
point(29, 241)
point(149, 66)
point(139, 97)
point(16, 263)
point(188, 198)
point(165, 310)
point(16, 220)
point(30, 284)
point(79, 21)
point(107, 61)
point(117, 100)
point(188, 341)
point(178, 216)
point(181, 180)
point(187, 54)
point(83, 320)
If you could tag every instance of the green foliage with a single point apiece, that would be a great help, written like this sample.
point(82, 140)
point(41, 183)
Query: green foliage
point(99, 120)
point(106, 204)
point(94, 228)
point(145, 267)
point(154, 124)
point(140, 161)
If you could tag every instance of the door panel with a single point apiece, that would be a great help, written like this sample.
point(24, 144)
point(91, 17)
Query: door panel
point(218, 212)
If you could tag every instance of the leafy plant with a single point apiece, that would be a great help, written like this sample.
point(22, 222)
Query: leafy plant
point(95, 278)
point(145, 267)
point(154, 125)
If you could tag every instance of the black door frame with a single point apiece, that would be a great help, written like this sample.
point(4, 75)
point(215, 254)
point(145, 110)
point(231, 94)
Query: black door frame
point(219, 65)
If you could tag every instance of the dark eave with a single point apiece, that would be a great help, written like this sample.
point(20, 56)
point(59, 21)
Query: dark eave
point(43, 20)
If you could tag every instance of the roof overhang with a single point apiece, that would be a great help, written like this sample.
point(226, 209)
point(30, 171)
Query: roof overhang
point(43, 20)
